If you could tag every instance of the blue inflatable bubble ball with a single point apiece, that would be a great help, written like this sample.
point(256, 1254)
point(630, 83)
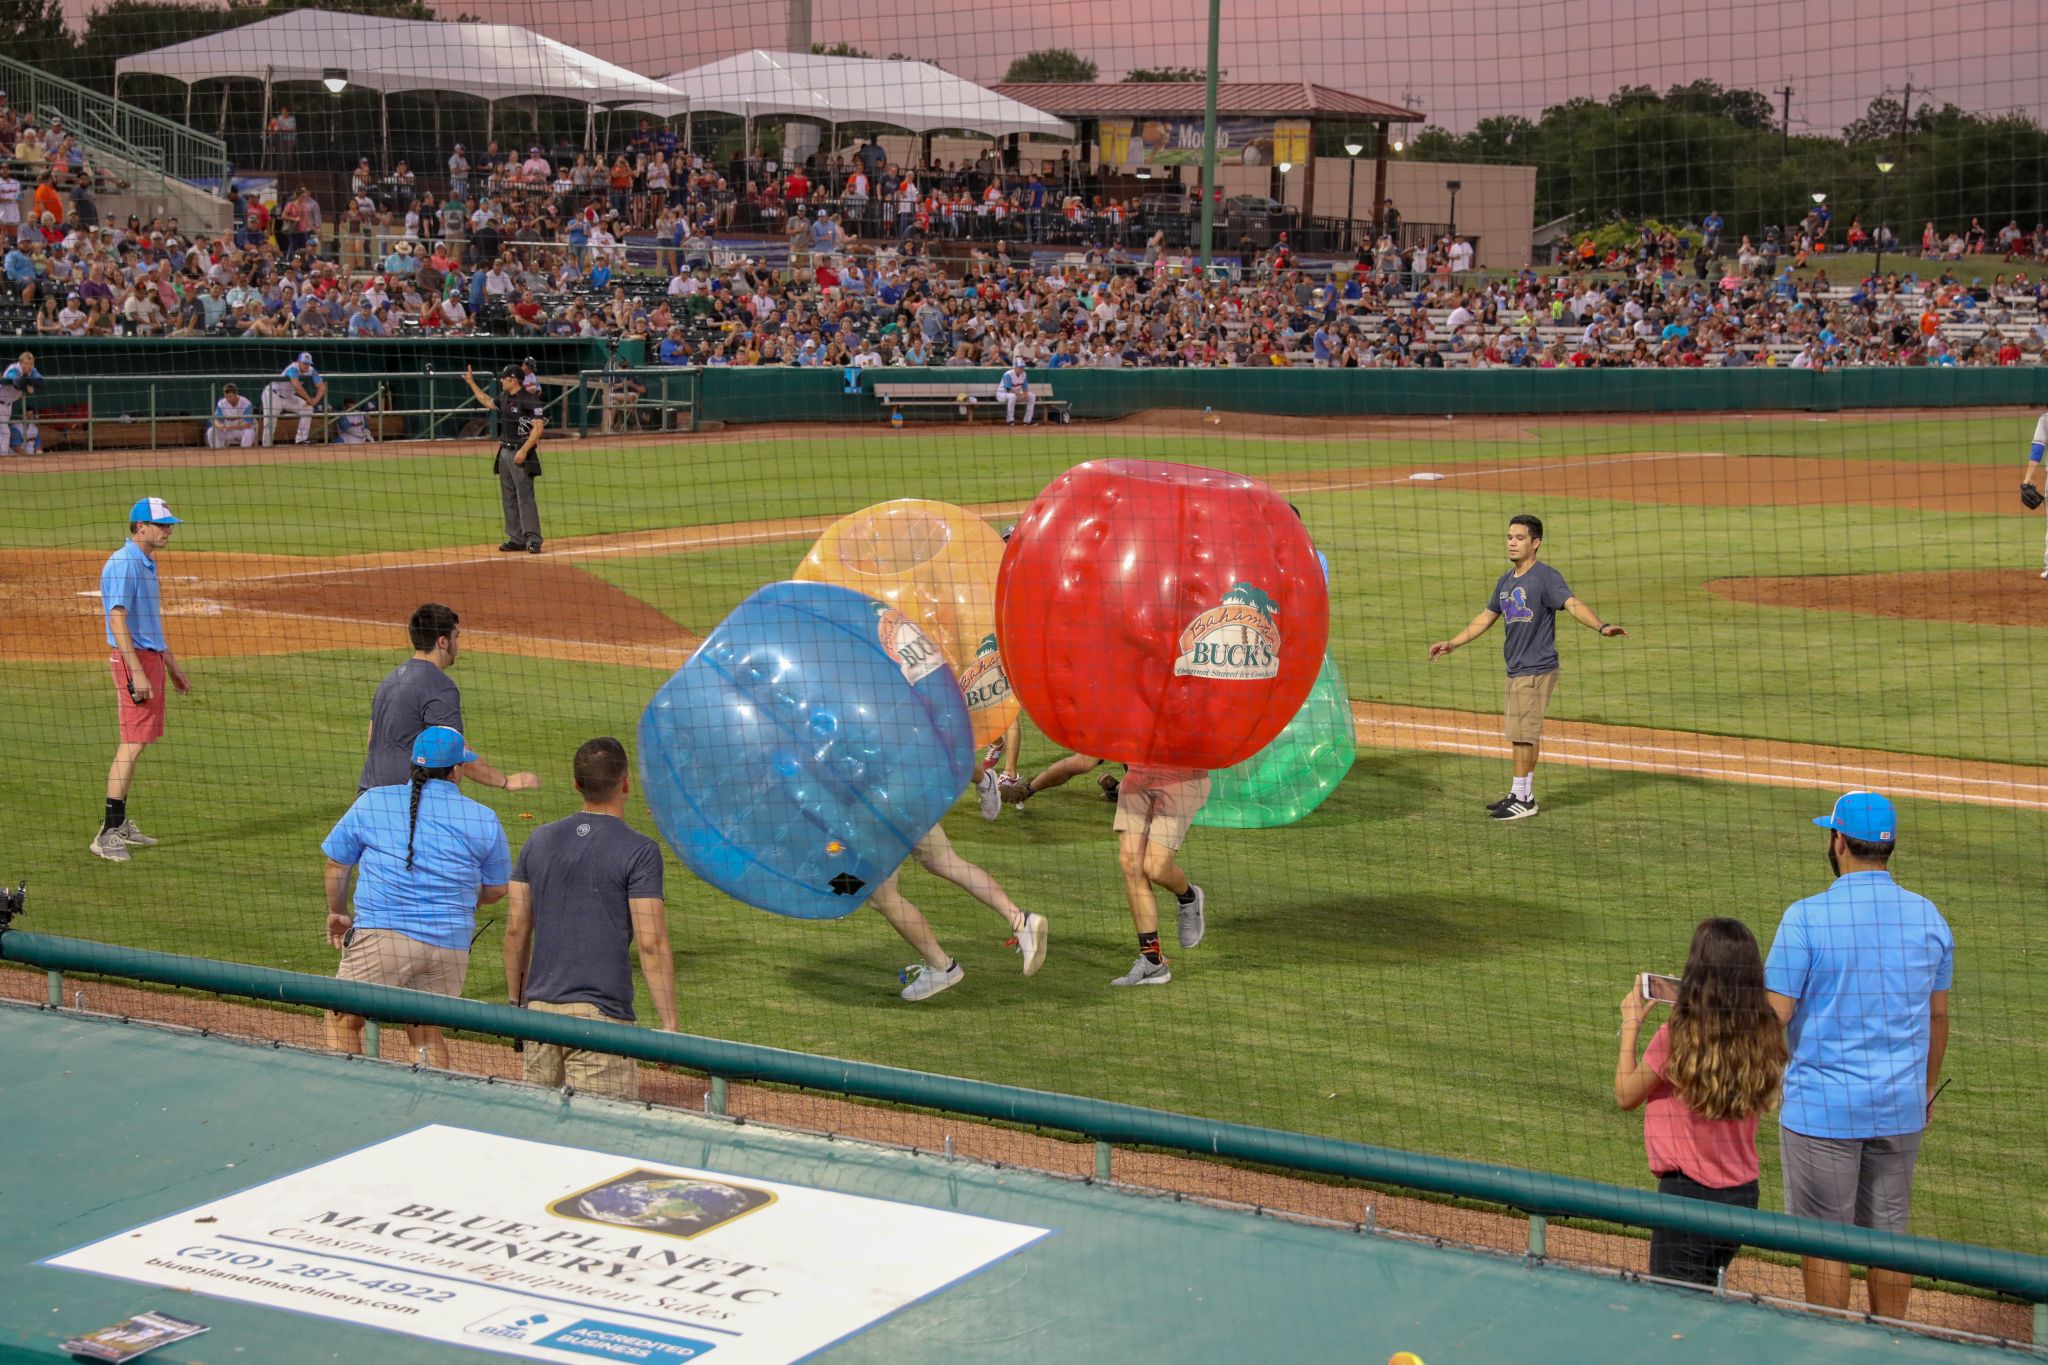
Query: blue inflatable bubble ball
point(813, 737)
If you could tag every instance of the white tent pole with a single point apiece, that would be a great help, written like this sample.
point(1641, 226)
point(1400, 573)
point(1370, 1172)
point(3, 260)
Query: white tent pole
point(188, 104)
point(490, 122)
point(689, 143)
point(222, 130)
point(264, 127)
point(384, 119)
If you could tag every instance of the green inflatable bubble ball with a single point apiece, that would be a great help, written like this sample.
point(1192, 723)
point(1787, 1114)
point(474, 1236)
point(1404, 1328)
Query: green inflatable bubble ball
point(1295, 773)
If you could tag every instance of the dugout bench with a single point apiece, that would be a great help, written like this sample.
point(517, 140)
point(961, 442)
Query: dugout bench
point(964, 398)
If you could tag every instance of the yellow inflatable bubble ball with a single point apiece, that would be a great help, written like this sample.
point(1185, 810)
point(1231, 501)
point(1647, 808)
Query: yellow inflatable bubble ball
point(935, 563)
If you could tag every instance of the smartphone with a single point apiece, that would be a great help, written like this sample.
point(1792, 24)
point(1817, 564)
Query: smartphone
point(1660, 990)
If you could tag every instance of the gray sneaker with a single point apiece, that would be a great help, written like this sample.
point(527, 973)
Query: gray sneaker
point(1144, 972)
point(1031, 942)
point(108, 844)
point(132, 836)
point(927, 981)
point(1193, 923)
point(991, 796)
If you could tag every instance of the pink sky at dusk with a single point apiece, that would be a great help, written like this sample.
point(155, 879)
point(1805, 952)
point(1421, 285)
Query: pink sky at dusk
point(1461, 60)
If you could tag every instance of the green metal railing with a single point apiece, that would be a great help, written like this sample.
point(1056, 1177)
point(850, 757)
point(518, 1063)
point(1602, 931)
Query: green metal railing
point(152, 143)
point(1106, 1122)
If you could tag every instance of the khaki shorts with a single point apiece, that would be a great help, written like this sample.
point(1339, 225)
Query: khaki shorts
point(1528, 699)
point(1161, 813)
point(385, 957)
point(589, 1073)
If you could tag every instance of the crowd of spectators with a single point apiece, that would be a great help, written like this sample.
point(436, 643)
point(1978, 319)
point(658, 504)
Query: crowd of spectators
point(848, 269)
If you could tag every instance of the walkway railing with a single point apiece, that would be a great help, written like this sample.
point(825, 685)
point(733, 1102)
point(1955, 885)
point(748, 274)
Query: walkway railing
point(1105, 1122)
point(145, 140)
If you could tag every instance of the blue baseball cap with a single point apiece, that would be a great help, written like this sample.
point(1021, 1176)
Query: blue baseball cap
point(440, 746)
point(155, 511)
point(1862, 815)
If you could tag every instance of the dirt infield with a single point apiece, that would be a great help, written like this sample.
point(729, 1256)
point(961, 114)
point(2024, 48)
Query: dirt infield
point(815, 1113)
point(1981, 597)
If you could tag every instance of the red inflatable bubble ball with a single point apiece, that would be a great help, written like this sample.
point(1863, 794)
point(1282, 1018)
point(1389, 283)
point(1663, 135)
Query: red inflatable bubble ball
point(1161, 614)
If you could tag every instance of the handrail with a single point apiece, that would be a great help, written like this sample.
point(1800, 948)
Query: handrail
point(148, 140)
point(2012, 1272)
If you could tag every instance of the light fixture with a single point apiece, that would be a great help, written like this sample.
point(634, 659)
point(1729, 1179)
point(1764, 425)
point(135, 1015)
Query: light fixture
point(1286, 166)
point(1144, 172)
point(1353, 148)
point(335, 79)
point(1884, 167)
point(1399, 144)
point(1820, 196)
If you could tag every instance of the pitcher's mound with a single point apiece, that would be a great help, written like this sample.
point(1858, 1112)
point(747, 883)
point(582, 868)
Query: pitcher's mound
point(1978, 597)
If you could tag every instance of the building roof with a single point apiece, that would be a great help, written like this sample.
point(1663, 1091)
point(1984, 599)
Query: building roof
point(1234, 99)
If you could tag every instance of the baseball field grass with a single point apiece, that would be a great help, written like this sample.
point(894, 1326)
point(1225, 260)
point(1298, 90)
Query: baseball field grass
point(1395, 969)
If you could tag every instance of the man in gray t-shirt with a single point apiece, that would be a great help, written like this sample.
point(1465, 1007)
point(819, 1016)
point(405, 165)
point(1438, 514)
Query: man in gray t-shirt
point(1528, 597)
point(419, 693)
point(585, 889)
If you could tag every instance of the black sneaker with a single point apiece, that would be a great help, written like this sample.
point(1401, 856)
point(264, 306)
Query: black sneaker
point(512, 546)
point(1515, 808)
point(1496, 805)
point(533, 546)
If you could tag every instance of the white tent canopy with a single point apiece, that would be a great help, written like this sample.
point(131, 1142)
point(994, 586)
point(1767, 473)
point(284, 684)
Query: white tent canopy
point(915, 96)
point(484, 61)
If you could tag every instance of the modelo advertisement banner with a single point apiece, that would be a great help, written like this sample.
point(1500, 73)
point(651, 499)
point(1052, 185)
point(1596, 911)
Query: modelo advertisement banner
point(555, 1253)
point(1178, 142)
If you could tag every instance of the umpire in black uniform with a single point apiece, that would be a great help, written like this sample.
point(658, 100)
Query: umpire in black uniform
point(520, 425)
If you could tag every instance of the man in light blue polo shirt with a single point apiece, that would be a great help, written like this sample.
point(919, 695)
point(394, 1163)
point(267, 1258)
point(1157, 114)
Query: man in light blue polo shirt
point(1860, 975)
point(140, 661)
point(429, 857)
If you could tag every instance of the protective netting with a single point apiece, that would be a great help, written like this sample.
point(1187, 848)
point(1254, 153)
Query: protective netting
point(726, 366)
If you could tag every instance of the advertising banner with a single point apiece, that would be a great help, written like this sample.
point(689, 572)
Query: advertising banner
point(556, 1253)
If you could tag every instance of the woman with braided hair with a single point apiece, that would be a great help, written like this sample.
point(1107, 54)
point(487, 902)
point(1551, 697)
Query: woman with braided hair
point(429, 856)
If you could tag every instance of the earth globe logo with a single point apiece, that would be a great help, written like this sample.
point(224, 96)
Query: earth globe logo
point(662, 1202)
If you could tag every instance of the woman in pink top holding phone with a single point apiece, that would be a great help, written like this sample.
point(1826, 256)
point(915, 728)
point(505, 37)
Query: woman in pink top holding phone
point(1702, 1082)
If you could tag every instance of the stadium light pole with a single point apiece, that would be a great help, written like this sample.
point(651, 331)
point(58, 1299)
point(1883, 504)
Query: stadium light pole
point(1884, 170)
point(1209, 136)
point(1352, 147)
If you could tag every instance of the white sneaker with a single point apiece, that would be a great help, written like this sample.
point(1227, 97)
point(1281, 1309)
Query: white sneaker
point(1193, 923)
point(1031, 937)
point(991, 794)
point(108, 844)
point(1145, 972)
point(2044, 573)
point(132, 836)
point(927, 981)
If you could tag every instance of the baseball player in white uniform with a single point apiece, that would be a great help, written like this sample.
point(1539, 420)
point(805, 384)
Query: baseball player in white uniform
point(2031, 494)
point(19, 379)
point(1013, 385)
point(234, 421)
point(298, 389)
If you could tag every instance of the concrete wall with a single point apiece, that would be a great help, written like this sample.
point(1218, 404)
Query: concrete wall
point(1495, 203)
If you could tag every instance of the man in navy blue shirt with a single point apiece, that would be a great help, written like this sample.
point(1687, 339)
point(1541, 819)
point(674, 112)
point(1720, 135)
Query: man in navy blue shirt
point(141, 661)
point(1529, 596)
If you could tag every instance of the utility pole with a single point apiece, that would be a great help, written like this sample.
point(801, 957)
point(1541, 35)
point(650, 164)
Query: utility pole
point(1785, 133)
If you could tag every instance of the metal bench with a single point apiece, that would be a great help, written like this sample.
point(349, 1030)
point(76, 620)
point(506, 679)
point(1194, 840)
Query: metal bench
point(964, 398)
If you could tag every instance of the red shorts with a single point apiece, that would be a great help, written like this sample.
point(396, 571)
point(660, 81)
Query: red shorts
point(141, 723)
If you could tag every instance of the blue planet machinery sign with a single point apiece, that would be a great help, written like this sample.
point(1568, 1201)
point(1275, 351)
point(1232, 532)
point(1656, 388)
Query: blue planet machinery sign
point(556, 1253)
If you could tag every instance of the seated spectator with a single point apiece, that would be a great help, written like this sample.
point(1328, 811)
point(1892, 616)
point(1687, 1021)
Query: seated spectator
point(1704, 1080)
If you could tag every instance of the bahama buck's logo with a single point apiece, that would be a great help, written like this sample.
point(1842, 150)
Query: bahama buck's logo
point(985, 683)
point(662, 1202)
point(1234, 641)
point(910, 647)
